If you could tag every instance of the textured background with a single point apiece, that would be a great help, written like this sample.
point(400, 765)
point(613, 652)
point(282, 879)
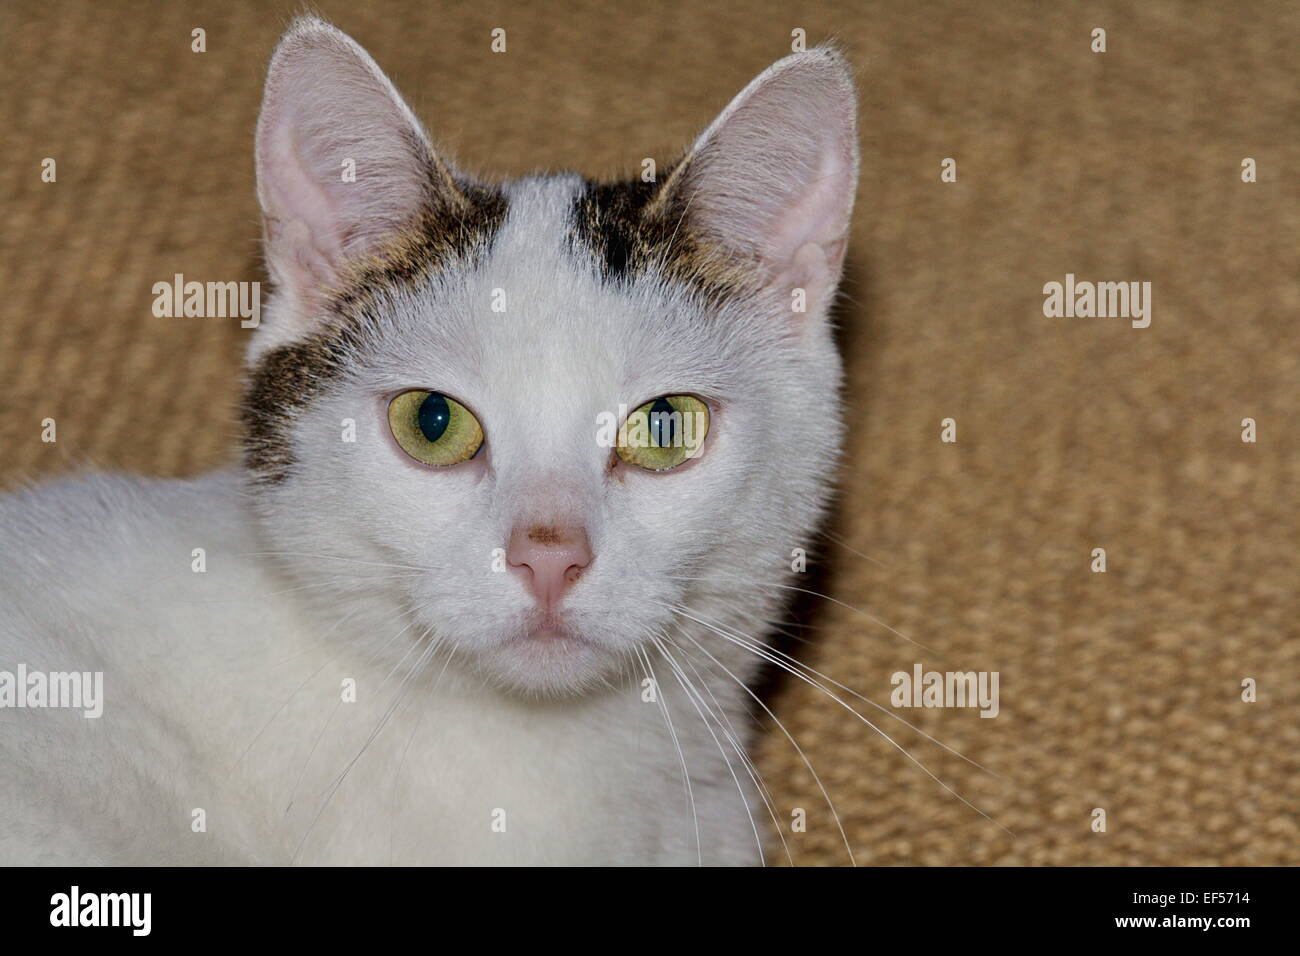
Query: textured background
point(1119, 690)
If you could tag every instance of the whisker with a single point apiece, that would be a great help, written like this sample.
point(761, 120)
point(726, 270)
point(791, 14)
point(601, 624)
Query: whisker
point(901, 749)
point(788, 736)
point(848, 547)
point(833, 600)
point(397, 699)
point(397, 775)
point(335, 582)
point(693, 695)
point(776, 627)
point(683, 681)
point(764, 649)
point(686, 776)
point(290, 698)
point(293, 794)
point(734, 739)
point(409, 651)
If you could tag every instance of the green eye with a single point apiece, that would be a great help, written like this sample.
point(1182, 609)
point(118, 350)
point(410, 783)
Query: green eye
point(433, 428)
point(663, 433)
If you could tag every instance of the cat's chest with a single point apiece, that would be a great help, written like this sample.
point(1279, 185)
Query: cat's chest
point(459, 777)
point(304, 752)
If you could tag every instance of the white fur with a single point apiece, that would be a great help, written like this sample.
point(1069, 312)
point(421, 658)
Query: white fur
point(223, 688)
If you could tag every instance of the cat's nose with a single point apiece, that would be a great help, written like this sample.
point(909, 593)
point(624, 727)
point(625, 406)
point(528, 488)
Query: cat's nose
point(551, 556)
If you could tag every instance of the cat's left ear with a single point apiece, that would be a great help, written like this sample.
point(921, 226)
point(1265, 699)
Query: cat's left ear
point(772, 180)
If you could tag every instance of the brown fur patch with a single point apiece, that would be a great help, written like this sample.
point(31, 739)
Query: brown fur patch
point(634, 227)
point(453, 225)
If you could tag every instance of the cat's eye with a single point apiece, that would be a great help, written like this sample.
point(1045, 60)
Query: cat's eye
point(664, 433)
point(433, 428)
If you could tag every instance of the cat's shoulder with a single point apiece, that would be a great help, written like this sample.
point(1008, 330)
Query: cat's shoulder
point(107, 520)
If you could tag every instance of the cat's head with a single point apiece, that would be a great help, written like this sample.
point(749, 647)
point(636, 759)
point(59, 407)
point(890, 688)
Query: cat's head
point(447, 425)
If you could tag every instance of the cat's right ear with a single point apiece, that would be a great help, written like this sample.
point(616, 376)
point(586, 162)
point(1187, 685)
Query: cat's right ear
point(342, 165)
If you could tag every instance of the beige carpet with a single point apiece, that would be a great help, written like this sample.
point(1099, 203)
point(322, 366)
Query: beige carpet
point(1119, 691)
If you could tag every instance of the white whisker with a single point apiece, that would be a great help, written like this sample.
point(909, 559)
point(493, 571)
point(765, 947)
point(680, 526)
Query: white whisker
point(788, 736)
point(901, 749)
point(827, 597)
point(795, 662)
point(734, 738)
point(686, 776)
point(684, 681)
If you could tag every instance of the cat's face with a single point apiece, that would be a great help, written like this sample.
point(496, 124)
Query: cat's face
point(441, 397)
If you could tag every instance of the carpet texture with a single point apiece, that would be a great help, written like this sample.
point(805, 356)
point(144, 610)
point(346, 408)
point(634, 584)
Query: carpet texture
point(1119, 690)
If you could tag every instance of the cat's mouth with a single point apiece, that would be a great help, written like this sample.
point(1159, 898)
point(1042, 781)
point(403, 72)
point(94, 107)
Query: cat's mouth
point(547, 657)
point(553, 635)
point(550, 630)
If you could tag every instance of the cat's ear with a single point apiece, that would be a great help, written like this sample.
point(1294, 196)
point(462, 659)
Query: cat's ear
point(342, 162)
point(772, 180)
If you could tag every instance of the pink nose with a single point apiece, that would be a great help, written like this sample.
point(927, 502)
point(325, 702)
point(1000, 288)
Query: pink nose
point(552, 558)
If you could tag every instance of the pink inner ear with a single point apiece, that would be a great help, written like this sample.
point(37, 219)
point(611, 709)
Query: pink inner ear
point(303, 226)
point(810, 269)
point(815, 212)
point(326, 102)
point(774, 177)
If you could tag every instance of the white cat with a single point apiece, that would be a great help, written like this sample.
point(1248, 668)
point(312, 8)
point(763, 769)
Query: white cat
point(467, 634)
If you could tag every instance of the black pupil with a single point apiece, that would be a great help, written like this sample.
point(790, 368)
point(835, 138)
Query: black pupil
point(662, 425)
point(435, 415)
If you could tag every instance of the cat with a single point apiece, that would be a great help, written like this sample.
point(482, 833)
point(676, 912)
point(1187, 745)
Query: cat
point(480, 629)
